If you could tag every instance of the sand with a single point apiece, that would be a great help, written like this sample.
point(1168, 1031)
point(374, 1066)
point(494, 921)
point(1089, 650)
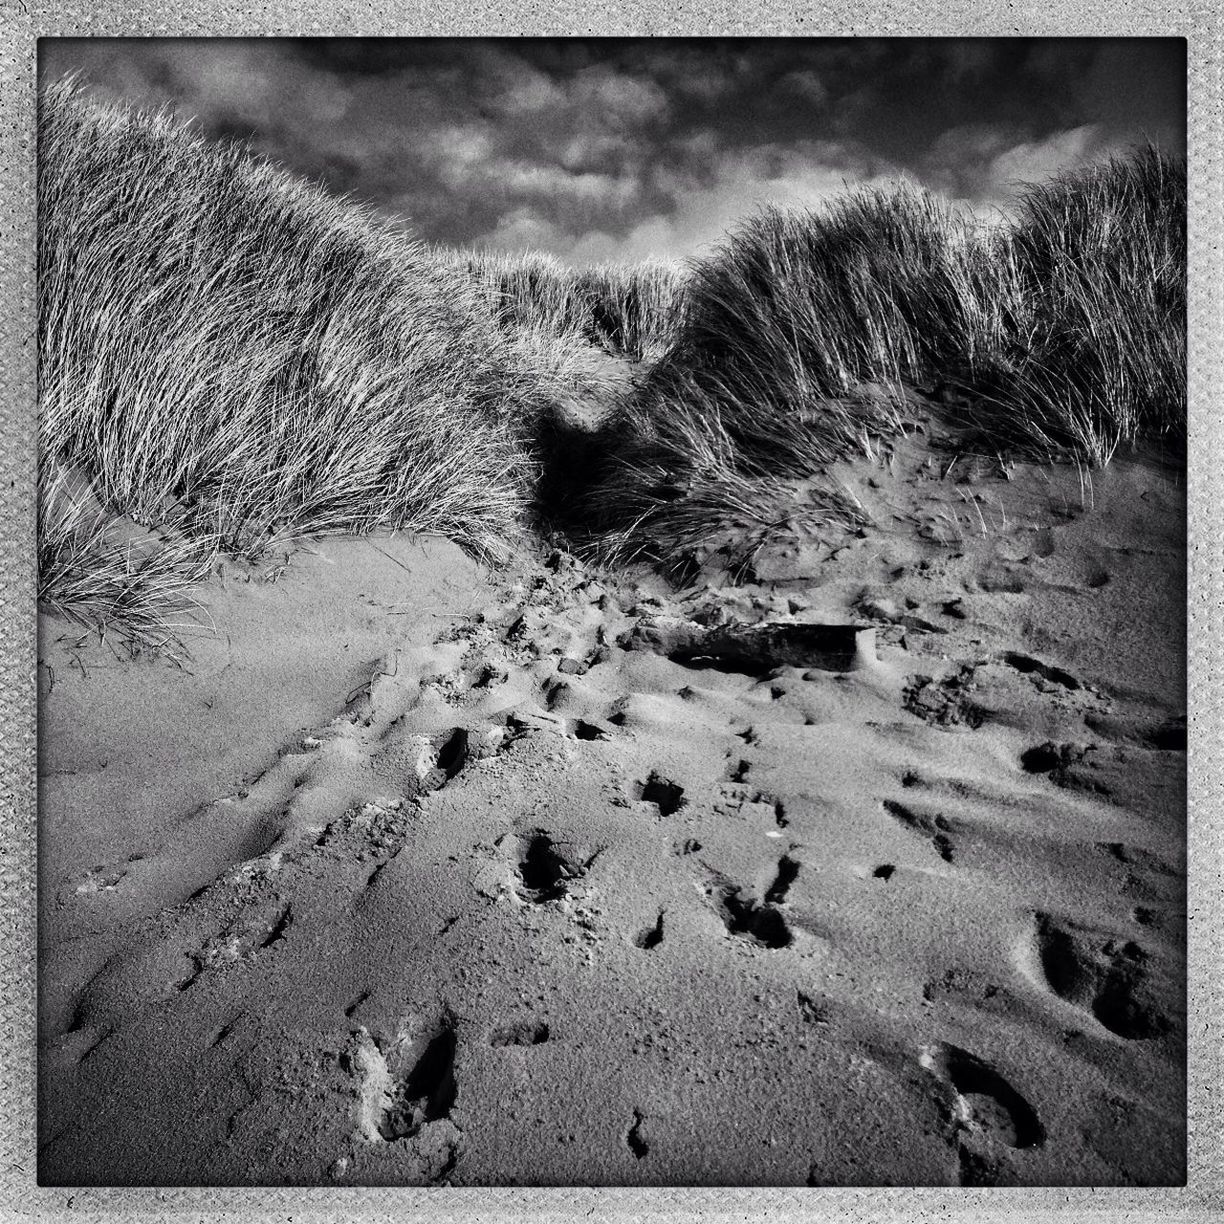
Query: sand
point(426, 874)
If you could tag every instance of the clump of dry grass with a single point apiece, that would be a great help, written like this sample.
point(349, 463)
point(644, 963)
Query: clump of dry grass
point(99, 572)
point(881, 286)
point(634, 307)
point(805, 334)
point(225, 344)
point(1096, 355)
point(628, 310)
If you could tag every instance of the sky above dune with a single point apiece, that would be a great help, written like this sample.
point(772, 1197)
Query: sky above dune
point(599, 149)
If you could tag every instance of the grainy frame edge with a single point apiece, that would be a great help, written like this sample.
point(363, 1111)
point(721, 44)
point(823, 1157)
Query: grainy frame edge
point(26, 20)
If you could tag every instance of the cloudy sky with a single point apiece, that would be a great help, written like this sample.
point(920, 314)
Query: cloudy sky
point(600, 148)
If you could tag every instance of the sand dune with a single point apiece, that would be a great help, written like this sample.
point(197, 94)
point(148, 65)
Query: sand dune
point(429, 874)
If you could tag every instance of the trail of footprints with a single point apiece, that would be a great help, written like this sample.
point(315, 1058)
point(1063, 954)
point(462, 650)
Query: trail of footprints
point(544, 872)
point(1104, 976)
point(408, 1082)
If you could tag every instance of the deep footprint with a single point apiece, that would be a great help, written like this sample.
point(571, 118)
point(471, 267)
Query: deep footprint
point(666, 795)
point(633, 1137)
point(788, 872)
point(985, 1108)
point(652, 936)
point(1050, 757)
point(1028, 666)
point(750, 919)
point(1104, 976)
point(453, 752)
point(543, 872)
point(408, 1086)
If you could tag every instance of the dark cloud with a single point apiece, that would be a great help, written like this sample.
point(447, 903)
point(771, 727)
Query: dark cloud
point(605, 148)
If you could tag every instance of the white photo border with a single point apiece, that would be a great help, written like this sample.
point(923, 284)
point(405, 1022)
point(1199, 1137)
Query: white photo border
point(25, 21)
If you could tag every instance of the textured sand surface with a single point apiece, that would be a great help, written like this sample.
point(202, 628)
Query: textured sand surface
point(501, 895)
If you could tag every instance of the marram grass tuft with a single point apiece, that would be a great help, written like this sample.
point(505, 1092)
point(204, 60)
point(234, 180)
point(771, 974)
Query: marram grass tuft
point(226, 347)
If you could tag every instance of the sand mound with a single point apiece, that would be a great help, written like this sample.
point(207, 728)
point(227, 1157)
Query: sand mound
point(512, 890)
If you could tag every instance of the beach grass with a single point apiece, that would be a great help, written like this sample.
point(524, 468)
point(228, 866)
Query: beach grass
point(103, 573)
point(234, 359)
point(226, 348)
point(627, 310)
point(1058, 334)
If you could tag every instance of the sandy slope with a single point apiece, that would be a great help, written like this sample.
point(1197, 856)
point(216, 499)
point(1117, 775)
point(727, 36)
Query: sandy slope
point(533, 907)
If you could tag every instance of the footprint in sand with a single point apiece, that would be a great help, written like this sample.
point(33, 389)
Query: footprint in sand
point(1170, 735)
point(651, 936)
point(936, 827)
point(946, 702)
point(103, 878)
point(788, 873)
point(405, 1083)
point(988, 1115)
point(744, 802)
point(1157, 887)
point(759, 922)
point(1051, 758)
point(666, 795)
point(521, 1033)
point(737, 769)
point(244, 939)
point(445, 756)
point(634, 1140)
point(579, 728)
point(542, 872)
point(1026, 665)
point(1102, 975)
point(812, 1011)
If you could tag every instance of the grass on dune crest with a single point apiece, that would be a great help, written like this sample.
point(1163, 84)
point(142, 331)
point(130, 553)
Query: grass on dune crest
point(881, 286)
point(228, 348)
point(798, 337)
point(629, 310)
point(1060, 333)
point(634, 307)
point(234, 358)
point(1097, 355)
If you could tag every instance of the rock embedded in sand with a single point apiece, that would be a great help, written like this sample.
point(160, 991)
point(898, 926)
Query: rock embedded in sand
point(755, 649)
